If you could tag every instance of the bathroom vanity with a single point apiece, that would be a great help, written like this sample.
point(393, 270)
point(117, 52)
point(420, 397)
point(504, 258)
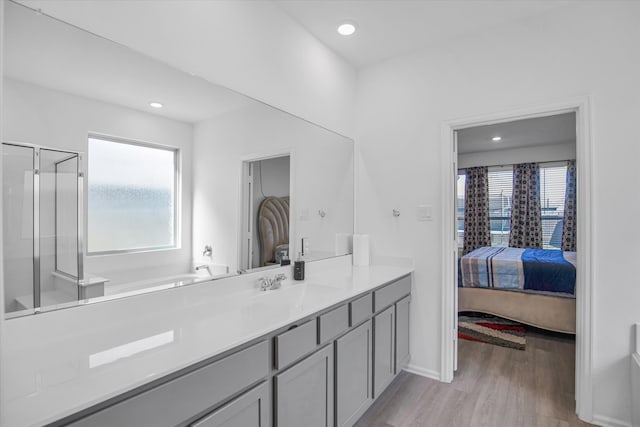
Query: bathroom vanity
point(313, 353)
point(156, 341)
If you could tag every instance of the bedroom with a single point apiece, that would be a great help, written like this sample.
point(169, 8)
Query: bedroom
point(515, 225)
point(511, 192)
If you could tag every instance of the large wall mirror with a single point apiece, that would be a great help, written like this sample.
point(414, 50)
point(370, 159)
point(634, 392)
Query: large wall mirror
point(124, 175)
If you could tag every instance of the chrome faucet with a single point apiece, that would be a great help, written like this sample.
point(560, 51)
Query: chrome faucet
point(208, 251)
point(269, 283)
point(203, 267)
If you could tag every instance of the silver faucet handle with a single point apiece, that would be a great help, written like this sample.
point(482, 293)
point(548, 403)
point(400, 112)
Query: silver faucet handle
point(280, 277)
point(265, 283)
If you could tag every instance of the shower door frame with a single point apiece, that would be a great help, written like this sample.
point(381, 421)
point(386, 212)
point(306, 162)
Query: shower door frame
point(37, 300)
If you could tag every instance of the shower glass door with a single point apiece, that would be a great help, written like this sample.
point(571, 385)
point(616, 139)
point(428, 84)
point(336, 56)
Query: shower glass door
point(59, 226)
point(18, 223)
point(42, 224)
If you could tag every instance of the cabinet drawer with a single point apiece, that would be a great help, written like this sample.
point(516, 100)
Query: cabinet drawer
point(295, 343)
point(333, 323)
point(391, 293)
point(174, 402)
point(248, 410)
point(360, 309)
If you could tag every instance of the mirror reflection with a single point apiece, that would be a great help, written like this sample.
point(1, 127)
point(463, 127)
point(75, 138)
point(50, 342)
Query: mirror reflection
point(123, 175)
point(265, 212)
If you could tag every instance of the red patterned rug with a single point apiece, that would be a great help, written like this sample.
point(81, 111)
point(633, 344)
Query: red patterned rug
point(492, 330)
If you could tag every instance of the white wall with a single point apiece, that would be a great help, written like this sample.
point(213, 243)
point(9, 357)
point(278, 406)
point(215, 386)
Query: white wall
point(2, 301)
point(50, 118)
point(589, 48)
point(322, 172)
point(513, 156)
point(252, 47)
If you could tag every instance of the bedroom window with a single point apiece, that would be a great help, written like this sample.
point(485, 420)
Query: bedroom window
point(132, 190)
point(552, 193)
point(500, 189)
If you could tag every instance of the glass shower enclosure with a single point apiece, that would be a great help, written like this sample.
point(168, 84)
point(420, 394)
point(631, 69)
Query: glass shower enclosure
point(42, 192)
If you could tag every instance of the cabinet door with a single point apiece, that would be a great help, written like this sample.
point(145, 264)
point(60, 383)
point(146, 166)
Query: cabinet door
point(354, 374)
point(383, 349)
point(304, 392)
point(248, 410)
point(402, 334)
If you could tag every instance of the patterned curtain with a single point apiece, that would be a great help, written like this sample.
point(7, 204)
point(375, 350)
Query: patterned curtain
point(477, 231)
point(526, 220)
point(569, 223)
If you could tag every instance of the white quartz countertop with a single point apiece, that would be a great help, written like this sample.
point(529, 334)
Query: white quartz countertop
point(58, 363)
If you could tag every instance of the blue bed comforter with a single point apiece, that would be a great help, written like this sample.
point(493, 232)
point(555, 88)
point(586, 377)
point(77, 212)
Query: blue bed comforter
point(534, 270)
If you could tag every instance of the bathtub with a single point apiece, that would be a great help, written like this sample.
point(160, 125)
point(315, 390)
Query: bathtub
point(66, 292)
point(159, 283)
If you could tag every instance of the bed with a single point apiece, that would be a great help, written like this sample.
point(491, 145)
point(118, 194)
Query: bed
point(531, 286)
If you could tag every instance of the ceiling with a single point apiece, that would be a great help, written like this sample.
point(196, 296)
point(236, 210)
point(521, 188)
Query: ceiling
point(548, 130)
point(83, 64)
point(389, 28)
point(49, 53)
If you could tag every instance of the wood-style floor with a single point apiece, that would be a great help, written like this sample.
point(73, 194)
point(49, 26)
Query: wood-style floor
point(494, 386)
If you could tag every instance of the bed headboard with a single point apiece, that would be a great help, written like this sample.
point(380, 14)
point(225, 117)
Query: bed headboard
point(273, 227)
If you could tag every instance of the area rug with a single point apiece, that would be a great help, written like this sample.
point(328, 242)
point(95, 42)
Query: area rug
point(492, 330)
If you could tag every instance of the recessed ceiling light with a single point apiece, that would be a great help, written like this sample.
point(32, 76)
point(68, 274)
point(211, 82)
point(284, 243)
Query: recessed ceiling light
point(347, 28)
point(496, 138)
point(156, 104)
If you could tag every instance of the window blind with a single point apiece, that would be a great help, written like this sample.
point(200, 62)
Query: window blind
point(500, 190)
point(552, 192)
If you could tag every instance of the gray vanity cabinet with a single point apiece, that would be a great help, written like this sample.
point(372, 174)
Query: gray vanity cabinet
point(384, 367)
point(304, 393)
point(354, 374)
point(178, 400)
point(402, 334)
point(249, 410)
point(324, 371)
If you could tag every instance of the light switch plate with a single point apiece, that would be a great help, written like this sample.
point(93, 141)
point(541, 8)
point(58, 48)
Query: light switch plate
point(425, 213)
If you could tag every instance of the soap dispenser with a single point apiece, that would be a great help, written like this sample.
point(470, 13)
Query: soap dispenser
point(298, 268)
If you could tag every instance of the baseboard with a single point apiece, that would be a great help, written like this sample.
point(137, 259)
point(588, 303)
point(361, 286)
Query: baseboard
point(427, 373)
point(603, 421)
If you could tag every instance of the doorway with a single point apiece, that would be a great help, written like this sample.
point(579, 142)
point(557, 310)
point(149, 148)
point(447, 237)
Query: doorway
point(265, 211)
point(579, 107)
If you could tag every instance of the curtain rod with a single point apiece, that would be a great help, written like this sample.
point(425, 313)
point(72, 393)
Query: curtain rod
point(513, 164)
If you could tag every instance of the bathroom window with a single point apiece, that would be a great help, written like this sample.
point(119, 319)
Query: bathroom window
point(132, 194)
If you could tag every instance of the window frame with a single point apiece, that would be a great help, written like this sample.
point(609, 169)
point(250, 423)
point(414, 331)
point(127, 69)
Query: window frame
point(177, 192)
point(500, 168)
